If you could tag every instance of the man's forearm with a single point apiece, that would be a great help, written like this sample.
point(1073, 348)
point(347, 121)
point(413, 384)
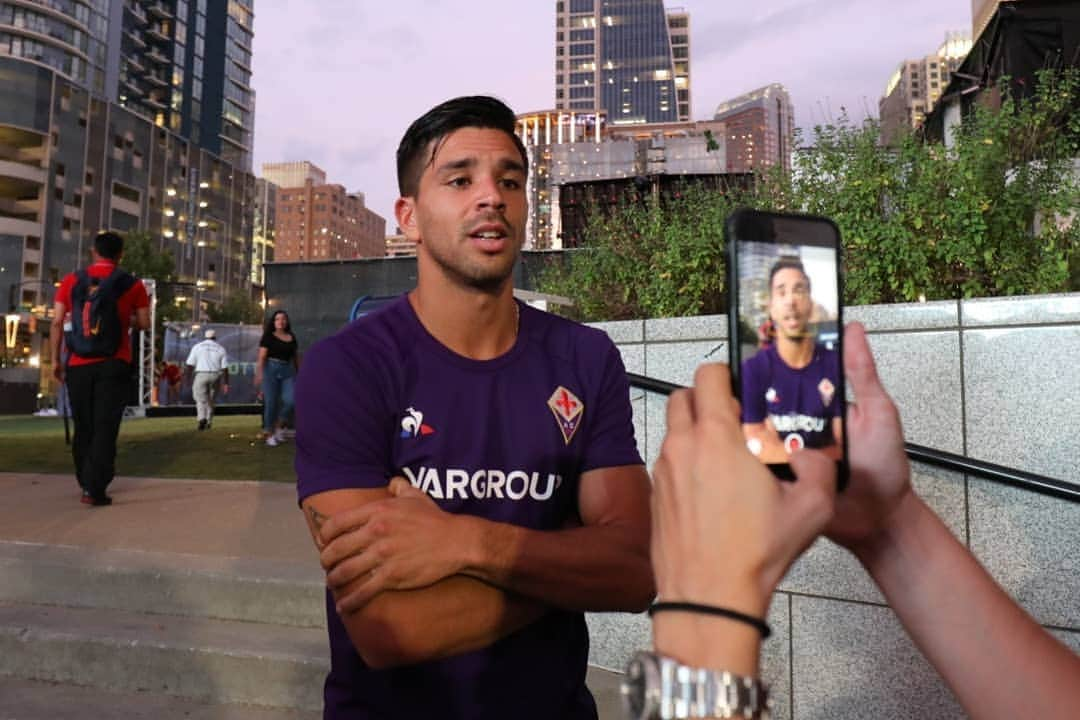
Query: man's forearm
point(996, 659)
point(591, 568)
point(455, 615)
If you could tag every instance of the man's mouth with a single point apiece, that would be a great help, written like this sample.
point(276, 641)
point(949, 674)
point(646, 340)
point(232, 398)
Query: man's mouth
point(489, 238)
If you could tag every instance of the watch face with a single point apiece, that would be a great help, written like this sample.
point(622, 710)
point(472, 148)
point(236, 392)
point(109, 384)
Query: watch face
point(640, 687)
point(633, 690)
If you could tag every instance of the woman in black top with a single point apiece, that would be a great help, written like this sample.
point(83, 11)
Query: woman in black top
point(275, 373)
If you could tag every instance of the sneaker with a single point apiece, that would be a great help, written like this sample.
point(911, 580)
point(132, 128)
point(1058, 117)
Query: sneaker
point(279, 435)
point(272, 440)
point(202, 424)
point(88, 499)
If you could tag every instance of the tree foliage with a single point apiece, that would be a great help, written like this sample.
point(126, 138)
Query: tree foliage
point(997, 213)
point(239, 307)
point(144, 258)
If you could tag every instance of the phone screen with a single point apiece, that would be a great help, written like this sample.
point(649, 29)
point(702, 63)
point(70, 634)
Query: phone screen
point(786, 332)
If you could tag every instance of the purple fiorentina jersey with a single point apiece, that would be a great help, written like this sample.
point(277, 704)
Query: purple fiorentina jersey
point(800, 403)
point(504, 439)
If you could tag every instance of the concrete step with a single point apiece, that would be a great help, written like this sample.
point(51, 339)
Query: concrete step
point(200, 659)
point(248, 589)
point(38, 700)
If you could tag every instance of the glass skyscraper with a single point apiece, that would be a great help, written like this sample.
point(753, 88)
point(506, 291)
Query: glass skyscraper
point(130, 115)
point(627, 58)
point(186, 64)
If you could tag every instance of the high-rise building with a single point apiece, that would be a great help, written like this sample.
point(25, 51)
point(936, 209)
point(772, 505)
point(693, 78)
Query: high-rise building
point(629, 59)
point(916, 86)
point(187, 65)
point(264, 218)
point(323, 222)
point(293, 174)
point(679, 32)
point(566, 148)
point(71, 38)
point(759, 129)
point(125, 115)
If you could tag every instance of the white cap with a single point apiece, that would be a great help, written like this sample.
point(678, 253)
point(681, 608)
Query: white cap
point(209, 334)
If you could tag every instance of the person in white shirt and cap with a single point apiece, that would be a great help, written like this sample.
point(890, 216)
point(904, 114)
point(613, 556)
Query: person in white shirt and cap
point(208, 362)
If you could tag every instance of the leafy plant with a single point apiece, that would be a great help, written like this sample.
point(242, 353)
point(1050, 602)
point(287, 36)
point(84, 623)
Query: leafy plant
point(996, 213)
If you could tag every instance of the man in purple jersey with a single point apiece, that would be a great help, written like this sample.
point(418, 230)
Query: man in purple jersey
point(790, 387)
point(467, 464)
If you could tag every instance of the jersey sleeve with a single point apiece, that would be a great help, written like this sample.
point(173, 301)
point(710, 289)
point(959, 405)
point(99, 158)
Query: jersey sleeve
point(753, 391)
point(611, 440)
point(191, 355)
point(343, 422)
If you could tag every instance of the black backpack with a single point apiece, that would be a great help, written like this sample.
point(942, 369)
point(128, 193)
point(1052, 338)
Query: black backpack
point(95, 330)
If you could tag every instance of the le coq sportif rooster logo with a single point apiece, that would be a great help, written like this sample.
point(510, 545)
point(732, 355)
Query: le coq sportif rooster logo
point(413, 425)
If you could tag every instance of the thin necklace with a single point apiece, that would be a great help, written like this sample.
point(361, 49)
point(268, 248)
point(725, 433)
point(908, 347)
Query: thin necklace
point(517, 320)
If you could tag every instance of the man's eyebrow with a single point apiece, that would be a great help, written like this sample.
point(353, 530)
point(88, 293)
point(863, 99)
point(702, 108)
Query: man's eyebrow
point(508, 164)
point(453, 165)
point(466, 163)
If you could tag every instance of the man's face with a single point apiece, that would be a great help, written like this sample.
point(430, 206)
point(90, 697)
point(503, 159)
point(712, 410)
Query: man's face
point(468, 215)
point(789, 303)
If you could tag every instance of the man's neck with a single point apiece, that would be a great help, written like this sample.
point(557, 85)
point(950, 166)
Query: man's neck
point(796, 353)
point(472, 323)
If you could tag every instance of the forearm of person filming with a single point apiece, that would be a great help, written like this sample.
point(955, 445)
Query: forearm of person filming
point(724, 530)
point(997, 660)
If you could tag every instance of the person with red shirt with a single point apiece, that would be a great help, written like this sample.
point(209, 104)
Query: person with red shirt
point(98, 386)
point(170, 372)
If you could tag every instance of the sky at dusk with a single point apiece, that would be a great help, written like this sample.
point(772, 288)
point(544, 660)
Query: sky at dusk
point(338, 81)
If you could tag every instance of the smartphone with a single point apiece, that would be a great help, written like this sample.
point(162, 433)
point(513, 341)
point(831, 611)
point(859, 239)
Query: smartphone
point(785, 336)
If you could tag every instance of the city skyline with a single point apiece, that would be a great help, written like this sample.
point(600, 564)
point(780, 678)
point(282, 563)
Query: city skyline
point(339, 82)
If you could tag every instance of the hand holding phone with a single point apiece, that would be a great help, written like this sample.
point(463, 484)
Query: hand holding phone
point(785, 335)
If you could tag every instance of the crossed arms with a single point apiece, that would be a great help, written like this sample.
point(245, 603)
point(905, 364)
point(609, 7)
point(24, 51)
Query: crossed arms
point(413, 583)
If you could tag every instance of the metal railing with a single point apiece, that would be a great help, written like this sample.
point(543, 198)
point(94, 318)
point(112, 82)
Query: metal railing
point(1032, 482)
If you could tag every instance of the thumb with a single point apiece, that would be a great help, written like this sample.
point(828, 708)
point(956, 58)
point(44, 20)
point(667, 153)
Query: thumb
point(859, 365)
point(812, 498)
point(400, 487)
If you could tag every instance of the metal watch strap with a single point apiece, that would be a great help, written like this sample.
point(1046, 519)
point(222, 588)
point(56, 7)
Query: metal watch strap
point(688, 692)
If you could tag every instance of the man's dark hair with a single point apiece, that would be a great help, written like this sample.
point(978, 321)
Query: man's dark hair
point(427, 131)
point(109, 245)
point(787, 263)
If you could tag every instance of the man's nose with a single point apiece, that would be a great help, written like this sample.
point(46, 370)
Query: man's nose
point(490, 193)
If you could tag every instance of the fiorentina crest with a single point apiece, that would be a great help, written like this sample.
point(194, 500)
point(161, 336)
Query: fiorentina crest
point(567, 410)
point(827, 390)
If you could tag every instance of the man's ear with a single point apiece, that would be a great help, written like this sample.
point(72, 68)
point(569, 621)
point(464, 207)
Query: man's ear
point(405, 212)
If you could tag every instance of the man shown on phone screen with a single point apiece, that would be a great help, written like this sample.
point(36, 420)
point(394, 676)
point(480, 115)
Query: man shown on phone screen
point(790, 388)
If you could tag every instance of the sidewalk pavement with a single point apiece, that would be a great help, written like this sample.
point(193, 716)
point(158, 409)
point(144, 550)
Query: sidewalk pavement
point(208, 519)
point(197, 517)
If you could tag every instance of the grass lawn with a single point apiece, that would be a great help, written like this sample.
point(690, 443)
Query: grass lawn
point(154, 447)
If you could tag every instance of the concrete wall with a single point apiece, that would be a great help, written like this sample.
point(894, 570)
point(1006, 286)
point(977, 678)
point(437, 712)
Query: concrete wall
point(995, 379)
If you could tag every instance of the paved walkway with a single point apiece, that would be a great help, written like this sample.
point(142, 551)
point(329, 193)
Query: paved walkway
point(204, 518)
point(197, 517)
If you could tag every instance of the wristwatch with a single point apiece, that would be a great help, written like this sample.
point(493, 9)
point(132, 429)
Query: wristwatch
point(660, 688)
